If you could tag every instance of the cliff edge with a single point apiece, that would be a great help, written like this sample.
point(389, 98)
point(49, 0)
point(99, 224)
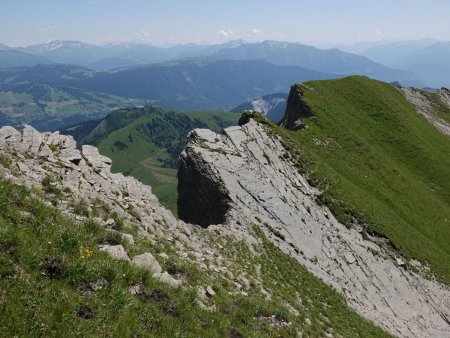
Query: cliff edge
point(260, 186)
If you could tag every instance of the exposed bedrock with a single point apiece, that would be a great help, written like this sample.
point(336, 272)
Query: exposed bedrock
point(296, 109)
point(245, 177)
point(202, 199)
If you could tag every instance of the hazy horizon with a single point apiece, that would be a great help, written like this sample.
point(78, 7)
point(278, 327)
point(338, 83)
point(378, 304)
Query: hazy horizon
point(321, 23)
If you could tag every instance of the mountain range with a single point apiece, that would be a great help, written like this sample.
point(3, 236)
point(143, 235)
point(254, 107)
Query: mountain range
point(13, 58)
point(329, 61)
point(188, 84)
point(192, 76)
point(280, 53)
point(103, 57)
point(428, 59)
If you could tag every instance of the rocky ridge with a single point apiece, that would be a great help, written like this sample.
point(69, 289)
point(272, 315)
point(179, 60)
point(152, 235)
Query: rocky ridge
point(426, 107)
point(251, 178)
point(250, 170)
point(80, 185)
point(51, 162)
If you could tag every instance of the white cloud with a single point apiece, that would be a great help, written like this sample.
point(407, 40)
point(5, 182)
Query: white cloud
point(48, 28)
point(378, 32)
point(226, 33)
point(256, 31)
point(144, 35)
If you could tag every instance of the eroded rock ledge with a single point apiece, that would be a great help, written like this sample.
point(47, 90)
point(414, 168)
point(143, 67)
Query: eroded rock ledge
point(296, 109)
point(262, 187)
point(201, 200)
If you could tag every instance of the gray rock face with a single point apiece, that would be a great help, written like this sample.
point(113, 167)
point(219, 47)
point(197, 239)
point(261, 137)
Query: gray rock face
point(31, 140)
point(93, 157)
point(201, 200)
point(425, 107)
point(265, 189)
point(295, 110)
point(444, 93)
point(9, 138)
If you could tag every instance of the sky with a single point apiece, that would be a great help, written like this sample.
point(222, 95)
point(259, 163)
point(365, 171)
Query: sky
point(162, 22)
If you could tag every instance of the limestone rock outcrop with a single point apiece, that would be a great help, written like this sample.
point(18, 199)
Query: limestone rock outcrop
point(426, 108)
point(84, 179)
point(296, 109)
point(263, 188)
point(195, 179)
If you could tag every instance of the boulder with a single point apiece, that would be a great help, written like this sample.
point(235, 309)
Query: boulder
point(209, 291)
point(169, 280)
point(115, 251)
point(32, 140)
point(9, 138)
point(93, 157)
point(147, 261)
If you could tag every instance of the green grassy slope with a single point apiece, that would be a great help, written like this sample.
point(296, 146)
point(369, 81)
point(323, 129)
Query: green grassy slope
point(48, 265)
point(378, 161)
point(145, 143)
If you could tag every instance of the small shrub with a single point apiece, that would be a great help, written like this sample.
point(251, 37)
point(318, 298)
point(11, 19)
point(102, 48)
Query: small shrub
point(54, 267)
point(134, 213)
point(49, 187)
point(6, 267)
point(111, 238)
point(118, 222)
point(233, 333)
point(5, 161)
point(53, 147)
point(275, 232)
point(85, 312)
point(81, 209)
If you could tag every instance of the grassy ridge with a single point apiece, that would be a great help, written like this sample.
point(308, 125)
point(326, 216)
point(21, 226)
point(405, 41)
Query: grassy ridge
point(49, 264)
point(378, 161)
point(146, 142)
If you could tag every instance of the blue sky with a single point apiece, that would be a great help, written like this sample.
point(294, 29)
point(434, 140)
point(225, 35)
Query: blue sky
point(317, 22)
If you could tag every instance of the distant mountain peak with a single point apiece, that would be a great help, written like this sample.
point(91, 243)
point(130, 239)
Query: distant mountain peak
point(53, 45)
